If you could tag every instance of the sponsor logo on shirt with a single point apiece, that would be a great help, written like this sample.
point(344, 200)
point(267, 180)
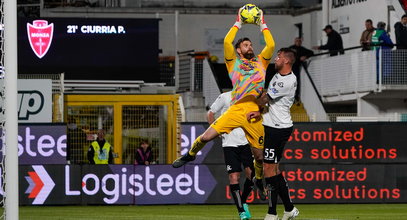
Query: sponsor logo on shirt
point(228, 167)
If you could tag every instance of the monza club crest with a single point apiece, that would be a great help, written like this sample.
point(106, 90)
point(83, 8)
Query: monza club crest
point(40, 36)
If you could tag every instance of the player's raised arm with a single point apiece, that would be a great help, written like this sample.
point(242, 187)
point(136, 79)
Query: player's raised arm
point(268, 50)
point(228, 49)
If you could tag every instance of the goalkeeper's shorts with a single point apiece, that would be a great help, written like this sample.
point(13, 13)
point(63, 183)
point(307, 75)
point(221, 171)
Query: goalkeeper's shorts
point(236, 116)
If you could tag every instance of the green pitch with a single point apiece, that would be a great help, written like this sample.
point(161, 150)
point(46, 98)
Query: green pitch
point(199, 212)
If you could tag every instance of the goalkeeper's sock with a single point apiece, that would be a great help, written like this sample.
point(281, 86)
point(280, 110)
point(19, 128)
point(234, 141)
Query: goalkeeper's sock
point(196, 146)
point(258, 169)
point(235, 190)
point(272, 193)
point(284, 193)
point(248, 187)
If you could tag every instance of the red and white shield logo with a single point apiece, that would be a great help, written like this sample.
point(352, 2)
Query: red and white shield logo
point(40, 35)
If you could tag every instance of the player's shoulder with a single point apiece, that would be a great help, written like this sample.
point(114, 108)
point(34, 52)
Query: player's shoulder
point(226, 95)
point(290, 77)
point(284, 81)
point(223, 97)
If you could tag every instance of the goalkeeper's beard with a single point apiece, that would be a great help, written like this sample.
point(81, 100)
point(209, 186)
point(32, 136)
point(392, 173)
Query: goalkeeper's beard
point(248, 55)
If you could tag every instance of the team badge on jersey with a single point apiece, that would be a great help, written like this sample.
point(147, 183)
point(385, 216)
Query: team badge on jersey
point(228, 167)
point(274, 90)
point(40, 36)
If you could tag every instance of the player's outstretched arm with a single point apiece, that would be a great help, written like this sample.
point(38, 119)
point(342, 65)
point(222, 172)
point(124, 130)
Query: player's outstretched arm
point(228, 49)
point(268, 50)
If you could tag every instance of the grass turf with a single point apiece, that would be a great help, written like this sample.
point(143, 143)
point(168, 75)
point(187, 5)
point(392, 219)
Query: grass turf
point(199, 212)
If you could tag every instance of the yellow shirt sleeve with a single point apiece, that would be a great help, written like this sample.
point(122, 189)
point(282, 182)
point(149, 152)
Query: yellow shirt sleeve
point(228, 48)
point(268, 50)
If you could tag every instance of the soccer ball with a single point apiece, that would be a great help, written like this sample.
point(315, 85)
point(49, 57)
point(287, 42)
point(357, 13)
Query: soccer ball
point(250, 14)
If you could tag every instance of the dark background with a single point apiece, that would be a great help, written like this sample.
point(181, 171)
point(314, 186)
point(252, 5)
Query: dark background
point(129, 56)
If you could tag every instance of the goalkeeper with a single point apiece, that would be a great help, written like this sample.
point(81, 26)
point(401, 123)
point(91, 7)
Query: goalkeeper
point(247, 73)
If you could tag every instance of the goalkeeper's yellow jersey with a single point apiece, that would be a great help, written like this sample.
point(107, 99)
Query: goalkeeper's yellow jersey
point(248, 76)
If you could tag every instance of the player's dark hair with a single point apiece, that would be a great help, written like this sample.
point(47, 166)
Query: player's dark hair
point(240, 41)
point(369, 20)
point(405, 15)
point(289, 54)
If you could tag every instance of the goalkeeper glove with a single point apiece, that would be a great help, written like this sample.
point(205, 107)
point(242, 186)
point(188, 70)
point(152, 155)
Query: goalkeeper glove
point(238, 22)
point(261, 22)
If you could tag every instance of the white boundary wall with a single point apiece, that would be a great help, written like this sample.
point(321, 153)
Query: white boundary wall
point(344, 74)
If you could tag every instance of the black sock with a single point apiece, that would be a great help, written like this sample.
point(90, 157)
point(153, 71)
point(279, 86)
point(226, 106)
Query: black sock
point(272, 193)
point(284, 193)
point(235, 190)
point(248, 187)
point(259, 185)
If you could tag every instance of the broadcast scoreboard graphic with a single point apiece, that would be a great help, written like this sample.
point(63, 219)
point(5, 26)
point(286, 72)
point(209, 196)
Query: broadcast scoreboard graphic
point(89, 48)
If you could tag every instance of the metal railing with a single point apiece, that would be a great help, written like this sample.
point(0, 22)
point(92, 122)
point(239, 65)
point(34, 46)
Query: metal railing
point(394, 67)
point(355, 74)
point(348, 117)
point(358, 72)
point(344, 74)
